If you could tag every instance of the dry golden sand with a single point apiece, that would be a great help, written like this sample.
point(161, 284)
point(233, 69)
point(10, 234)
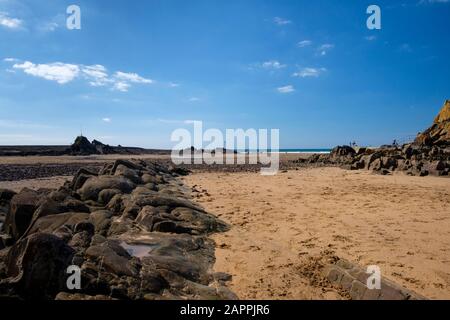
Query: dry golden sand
point(398, 222)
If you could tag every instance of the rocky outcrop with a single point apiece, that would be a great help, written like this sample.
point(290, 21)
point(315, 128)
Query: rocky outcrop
point(356, 281)
point(82, 146)
point(429, 154)
point(439, 133)
point(132, 230)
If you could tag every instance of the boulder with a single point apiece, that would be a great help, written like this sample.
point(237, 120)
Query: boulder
point(148, 178)
point(133, 165)
point(101, 220)
point(63, 225)
point(157, 200)
point(376, 165)
point(105, 196)
point(113, 258)
point(388, 163)
point(94, 185)
point(342, 151)
point(128, 173)
point(22, 207)
point(80, 178)
point(435, 168)
point(36, 266)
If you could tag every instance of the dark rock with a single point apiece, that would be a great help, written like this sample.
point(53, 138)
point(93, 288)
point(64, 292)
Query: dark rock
point(120, 226)
point(361, 151)
point(105, 196)
point(21, 212)
point(65, 296)
point(388, 163)
point(36, 266)
point(6, 195)
point(94, 185)
point(101, 220)
point(92, 222)
point(342, 151)
point(179, 170)
point(62, 225)
point(435, 168)
point(80, 178)
point(82, 146)
point(128, 173)
point(118, 203)
point(156, 200)
point(127, 164)
point(113, 258)
point(147, 178)
point(375, 165)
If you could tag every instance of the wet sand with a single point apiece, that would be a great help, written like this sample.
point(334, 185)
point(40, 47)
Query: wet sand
point(282, 225)
point(35, 184)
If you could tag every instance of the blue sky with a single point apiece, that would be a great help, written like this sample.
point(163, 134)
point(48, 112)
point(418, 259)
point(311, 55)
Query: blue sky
point(137, 70)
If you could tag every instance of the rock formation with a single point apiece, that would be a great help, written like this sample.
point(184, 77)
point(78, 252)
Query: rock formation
point(131, 229)
point(429, 154)
point(82, 146)
point(439, 133)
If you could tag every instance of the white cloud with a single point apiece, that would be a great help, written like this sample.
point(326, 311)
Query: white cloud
point(286, 89)
point(58, 21)
point(131, 77)
point(324, 48)
point(96, 75)
point(173, 85)
point(272, 64)
point(304, 43)
point(59, 72)
point(309, 72)
point(107, 120)
point(121, 86)
point(49, 26)
point(281, 22)
point(194, 99)
point(8, 22)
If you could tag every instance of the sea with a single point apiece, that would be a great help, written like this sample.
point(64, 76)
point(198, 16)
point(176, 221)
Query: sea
point(305, 150)
point(300, 150)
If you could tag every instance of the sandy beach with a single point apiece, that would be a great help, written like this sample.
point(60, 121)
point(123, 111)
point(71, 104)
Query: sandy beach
point(284, 226)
